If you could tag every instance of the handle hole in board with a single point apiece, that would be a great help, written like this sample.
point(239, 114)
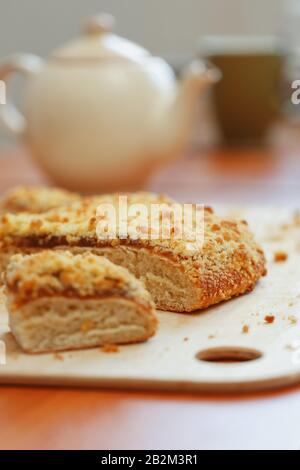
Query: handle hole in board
point(227, 354)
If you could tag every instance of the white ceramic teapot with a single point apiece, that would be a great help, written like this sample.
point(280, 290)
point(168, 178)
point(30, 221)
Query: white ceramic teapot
point(101, 112)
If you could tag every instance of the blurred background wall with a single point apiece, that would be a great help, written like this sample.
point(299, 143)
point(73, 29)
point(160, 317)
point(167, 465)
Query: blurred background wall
point(167, 27)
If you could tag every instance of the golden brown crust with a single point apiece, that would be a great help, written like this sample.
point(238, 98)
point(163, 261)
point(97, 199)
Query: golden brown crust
point(190, 290)
point(35, 199)
point(59, 273)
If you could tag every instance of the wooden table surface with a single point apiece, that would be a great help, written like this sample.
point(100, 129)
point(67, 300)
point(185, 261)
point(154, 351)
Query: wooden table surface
point(55, 418)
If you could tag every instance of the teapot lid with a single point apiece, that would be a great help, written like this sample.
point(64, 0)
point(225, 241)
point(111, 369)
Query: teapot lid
point(98, 42)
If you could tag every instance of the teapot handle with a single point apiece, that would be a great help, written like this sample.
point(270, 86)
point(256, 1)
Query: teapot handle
point(10, 117)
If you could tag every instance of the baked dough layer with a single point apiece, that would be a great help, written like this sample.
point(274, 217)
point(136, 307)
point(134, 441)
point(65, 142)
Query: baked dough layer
point(59, 324)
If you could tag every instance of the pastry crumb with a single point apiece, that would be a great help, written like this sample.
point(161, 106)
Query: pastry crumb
point(280, 256)
point(269, 319)
point(292, 319)
point(110, 348)
point(245, 329)
point(293, 346)
point(185, 339)
point(211, 337)
point(58, 356)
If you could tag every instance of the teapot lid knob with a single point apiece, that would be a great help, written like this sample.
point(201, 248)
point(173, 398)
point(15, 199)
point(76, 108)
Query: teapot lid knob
point(99, 24)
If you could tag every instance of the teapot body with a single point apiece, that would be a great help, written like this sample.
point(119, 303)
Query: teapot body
point(102, 112)
point(94, 127)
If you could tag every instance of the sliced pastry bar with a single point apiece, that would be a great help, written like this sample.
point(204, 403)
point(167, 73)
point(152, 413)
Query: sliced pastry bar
point(60, 301)
point(27, 200)
point(226, 263)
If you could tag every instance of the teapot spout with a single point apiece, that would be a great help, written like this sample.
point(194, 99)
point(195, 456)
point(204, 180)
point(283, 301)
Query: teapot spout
point(196, 79)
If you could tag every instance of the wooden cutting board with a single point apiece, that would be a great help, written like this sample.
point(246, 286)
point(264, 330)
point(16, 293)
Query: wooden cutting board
point(267, 355)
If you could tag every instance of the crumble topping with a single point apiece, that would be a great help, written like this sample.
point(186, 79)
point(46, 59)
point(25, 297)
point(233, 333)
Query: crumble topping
point(228, 243)
point(61, 273)
point(35, 199)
